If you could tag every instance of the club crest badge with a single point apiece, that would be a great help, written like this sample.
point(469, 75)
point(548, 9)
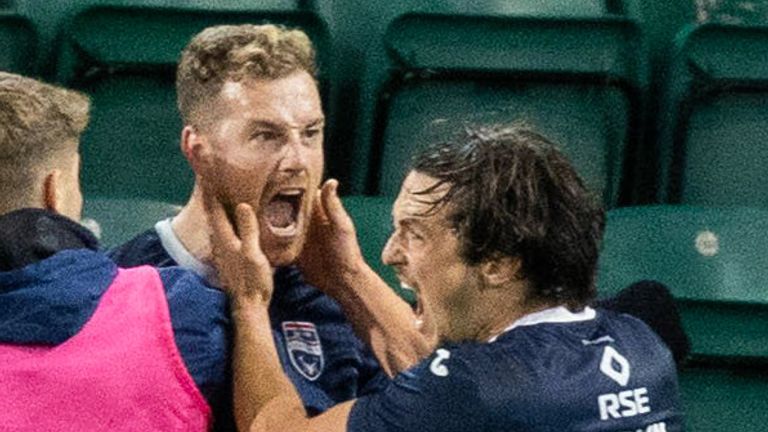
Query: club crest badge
point(304, 348)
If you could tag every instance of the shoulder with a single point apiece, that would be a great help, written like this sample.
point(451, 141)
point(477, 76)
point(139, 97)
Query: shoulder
point(546, 355)
point(442, 393)
point(189, 294)
point(145, 248)
point(632, 332)
point(452, 368)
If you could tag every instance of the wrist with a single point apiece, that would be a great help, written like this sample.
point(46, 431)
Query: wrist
point(241, 305)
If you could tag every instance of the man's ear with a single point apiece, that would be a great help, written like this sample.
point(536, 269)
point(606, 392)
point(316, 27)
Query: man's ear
point(195, 147)
point(53, 195)
point(501, 270)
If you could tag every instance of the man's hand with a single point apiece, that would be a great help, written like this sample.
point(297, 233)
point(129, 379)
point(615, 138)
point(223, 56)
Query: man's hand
point(244, 271)
point(331, 255)
point(333, 262)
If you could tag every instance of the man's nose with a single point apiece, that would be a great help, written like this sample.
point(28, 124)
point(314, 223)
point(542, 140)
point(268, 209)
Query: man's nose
point(294, 152)
point(392, 254)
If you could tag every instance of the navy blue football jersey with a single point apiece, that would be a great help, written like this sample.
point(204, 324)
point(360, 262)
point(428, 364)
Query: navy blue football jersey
point(552, 371)
point(317, 346)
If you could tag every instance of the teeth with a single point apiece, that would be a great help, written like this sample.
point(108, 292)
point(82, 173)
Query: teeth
point(419, 310)
point(291, 192)
point(285, 231)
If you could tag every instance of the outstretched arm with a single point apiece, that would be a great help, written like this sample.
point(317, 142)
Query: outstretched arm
point(333, 262)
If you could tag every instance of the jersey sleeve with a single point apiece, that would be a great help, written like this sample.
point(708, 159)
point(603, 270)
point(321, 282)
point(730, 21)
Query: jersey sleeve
point(373, 379)
point(431, 396)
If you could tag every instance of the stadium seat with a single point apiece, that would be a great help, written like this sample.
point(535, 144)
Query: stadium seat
point(724, 399)
point(714, 261)
point(579, 80)
point(125, 58)
point(18, 40)
point(116, 221)
point(713, 127)
point(373, 221)
point(367, 67)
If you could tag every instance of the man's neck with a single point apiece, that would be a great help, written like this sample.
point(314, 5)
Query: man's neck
point(484, 319)
point(191, 227)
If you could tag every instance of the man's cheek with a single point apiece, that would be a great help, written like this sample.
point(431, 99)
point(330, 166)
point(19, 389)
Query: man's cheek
point(245, 189)
point(241, 182)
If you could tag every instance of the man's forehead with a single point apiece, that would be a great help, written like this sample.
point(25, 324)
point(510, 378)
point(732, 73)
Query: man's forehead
point(290, 98)
point(413, 202)
point(231, 90)
point(296, 81)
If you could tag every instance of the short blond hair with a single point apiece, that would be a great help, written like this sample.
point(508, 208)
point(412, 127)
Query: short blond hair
point(231, 53)
point(40, 124)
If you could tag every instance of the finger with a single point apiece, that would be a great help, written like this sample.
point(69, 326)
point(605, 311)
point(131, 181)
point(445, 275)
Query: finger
point(223, 237)
point(248, 228)
point(333, 207)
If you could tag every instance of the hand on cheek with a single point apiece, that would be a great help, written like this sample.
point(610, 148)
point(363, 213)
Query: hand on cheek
point(331, 248)
point(244, 270)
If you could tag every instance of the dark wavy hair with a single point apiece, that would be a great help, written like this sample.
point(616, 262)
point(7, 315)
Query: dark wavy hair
point(511, 192)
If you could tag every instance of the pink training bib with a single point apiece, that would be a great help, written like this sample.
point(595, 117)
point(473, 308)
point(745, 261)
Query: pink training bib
point(121, 372)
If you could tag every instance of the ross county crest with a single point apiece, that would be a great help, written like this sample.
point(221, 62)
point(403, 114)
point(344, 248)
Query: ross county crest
point(304, 348)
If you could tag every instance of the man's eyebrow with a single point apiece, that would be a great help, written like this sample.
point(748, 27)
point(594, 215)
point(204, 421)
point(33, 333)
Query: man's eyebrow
point(412, 221)
point(317, 122)
point(254, 124)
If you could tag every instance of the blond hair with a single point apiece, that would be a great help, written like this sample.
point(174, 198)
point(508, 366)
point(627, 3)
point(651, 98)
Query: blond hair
point(40, 124)
point(231, 53)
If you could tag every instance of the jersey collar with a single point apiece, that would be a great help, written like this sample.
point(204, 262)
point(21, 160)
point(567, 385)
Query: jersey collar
point(558, 315)
point(181, 255)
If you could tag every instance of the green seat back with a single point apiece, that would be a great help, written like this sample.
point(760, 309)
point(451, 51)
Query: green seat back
point(373, 221)
point(715, 129)
point(118, 220)
point(370, 68)
point(577, 79)
point(18, 40)
point(715, 262)
point(724, 399)
point(131, 147)
point(125, 58)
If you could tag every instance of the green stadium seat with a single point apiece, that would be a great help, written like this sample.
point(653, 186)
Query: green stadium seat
point(18, 40)
point(367, 67)
point(724, 400)
point(116, 220)
point(125, 58)
point(713, 127)
point(579, 80)
point(372, 216)
point(715, 263)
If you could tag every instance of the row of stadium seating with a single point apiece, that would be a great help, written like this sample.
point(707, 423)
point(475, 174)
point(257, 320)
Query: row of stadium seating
point(579, 71)
point(682, 128)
